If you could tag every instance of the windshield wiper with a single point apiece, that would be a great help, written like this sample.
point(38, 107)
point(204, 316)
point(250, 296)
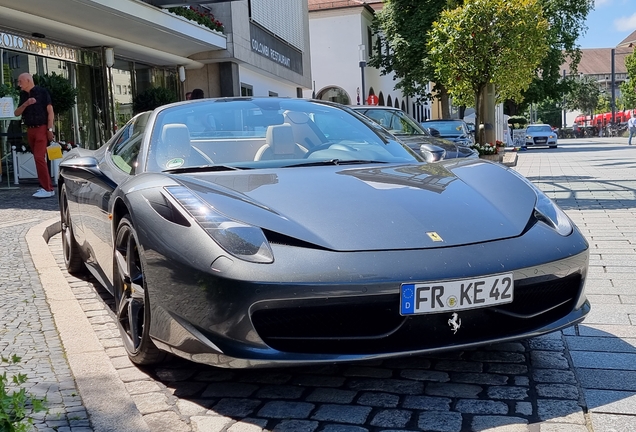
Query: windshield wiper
point(335, 162)
point(203, 168)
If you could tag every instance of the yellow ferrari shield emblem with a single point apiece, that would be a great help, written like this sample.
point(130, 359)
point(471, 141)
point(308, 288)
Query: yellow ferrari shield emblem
point(434, 236)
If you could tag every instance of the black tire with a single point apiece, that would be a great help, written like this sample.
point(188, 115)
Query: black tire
point(72, 258)
point(132, 305)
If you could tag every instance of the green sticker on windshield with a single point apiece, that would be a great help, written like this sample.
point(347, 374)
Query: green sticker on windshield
point(175, 163)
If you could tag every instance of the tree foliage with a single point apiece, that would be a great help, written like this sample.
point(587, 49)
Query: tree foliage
point(402, 26)
point(153, 98)
point(62, 93)
point(485, 42)
point(566, 20)
point(604, 103)
point(584, 95)
point(550, 111)
point(628, 88)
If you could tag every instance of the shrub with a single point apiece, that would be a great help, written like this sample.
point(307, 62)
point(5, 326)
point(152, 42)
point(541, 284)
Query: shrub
point(62, 92)
point(16, 405)
point(152, 98)
point(518, 122)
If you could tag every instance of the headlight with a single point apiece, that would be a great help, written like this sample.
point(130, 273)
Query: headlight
point(529, 137)
point(547, 211)
point(244, 241)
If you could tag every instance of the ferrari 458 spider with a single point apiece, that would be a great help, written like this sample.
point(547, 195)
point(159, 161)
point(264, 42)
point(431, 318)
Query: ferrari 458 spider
point(269, 231)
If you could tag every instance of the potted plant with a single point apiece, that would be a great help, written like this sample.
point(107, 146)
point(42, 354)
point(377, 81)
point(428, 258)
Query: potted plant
point(7, 90)
point(199, 16)
point(489, 151)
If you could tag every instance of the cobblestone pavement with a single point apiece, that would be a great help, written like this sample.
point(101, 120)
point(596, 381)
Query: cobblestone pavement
point(27, 328)
point(581, 379)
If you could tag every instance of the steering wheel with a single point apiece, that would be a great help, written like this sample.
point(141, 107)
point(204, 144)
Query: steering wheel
point(329, 145)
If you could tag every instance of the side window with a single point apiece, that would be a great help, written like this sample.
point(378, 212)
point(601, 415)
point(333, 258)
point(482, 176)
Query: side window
point(125, 150)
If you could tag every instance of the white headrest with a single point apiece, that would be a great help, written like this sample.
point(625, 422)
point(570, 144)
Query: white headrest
point(280, 139)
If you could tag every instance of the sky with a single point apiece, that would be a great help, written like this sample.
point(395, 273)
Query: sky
point(609, 23)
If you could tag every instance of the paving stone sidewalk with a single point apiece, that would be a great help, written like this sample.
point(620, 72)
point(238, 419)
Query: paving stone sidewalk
point(27, 328)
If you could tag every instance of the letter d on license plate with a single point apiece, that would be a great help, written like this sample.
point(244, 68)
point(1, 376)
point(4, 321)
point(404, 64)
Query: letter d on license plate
point(444, 296)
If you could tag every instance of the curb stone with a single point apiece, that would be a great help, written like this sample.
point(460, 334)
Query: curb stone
point(105, 397)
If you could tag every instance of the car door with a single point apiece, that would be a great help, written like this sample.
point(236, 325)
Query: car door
point(119, 162)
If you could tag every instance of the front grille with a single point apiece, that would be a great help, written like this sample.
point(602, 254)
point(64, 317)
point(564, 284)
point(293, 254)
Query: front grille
point(533, 298)
point(374, 325)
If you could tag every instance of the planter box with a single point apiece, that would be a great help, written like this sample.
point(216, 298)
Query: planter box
point(494, 157)
point(24, 167)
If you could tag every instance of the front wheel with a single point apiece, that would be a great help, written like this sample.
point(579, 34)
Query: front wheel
point(72, 259)
point(131, 297)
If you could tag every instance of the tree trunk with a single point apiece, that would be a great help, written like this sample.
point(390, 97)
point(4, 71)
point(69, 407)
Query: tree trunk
point(444, 99)
point(511, 107)
point(479, 133)
point(488, 113)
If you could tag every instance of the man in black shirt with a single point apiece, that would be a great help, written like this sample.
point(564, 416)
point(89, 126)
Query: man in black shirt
point(37, 114)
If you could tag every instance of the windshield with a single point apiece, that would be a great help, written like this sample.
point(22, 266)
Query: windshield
point(543, 128)
point(265, 132)
point(452, 128)
point(395, 121)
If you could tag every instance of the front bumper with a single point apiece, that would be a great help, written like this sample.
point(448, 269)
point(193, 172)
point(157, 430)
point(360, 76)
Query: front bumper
point(541, 141)
point(314, 306)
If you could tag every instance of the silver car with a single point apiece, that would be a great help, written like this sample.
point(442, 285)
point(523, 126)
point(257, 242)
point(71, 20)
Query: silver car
point(540, 135)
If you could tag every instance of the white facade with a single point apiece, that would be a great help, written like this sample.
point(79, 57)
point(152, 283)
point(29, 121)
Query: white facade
point(336, 39)
point(263, 85)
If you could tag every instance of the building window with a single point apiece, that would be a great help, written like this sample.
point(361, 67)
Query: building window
point(247, 90)
point(273, 94)
point(378, 47)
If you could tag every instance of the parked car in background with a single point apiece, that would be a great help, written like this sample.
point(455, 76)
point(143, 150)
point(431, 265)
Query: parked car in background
point(451, 129)
point(540, 135)
point(407, 130)
point(251, 232)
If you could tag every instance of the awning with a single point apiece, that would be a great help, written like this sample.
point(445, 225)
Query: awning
point(135, 30)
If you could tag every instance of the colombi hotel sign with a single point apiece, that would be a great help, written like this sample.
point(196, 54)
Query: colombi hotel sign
point(32, 46)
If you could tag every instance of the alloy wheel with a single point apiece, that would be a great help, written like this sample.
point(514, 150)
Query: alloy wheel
point(129, 291)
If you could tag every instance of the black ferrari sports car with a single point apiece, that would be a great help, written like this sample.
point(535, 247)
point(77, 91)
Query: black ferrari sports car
point(248, 232)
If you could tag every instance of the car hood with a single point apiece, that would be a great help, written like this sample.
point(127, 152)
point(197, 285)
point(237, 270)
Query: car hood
point(379, 207)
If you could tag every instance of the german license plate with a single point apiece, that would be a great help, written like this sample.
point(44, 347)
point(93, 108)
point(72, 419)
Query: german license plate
point(444, 296)
point(542, 141)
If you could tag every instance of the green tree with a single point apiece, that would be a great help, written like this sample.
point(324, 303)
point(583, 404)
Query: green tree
point(566, 20)
point(604, 103)
point(402, 26)
point(628, 88)
point(484, 42)
point(62, 92)
point(153, 98)
point(584, 95)
point(550, 112)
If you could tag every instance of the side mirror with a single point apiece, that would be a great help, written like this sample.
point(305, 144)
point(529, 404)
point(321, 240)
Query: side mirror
point(434, 132)
point(87, 167)
point(432, 153)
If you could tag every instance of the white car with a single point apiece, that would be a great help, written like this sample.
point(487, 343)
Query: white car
point(540, 135)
